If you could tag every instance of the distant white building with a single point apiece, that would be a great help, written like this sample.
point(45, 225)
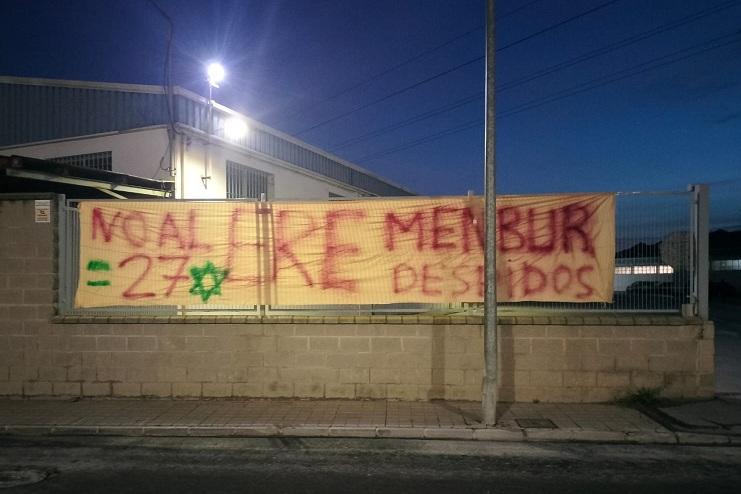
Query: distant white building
point(641, 266)
point(142, 131)
point(641, 269)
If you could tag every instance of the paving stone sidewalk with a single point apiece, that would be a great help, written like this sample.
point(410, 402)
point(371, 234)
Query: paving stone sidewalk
point(338, 418)
point(720, 415)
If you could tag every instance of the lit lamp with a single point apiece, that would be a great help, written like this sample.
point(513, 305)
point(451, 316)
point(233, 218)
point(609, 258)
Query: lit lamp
point(215, 73)
point(235, 128)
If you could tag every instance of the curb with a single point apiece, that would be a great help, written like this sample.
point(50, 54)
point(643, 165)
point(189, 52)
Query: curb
point(444, 433)
point(689, 434)
point(651, 437)
point(698, 438)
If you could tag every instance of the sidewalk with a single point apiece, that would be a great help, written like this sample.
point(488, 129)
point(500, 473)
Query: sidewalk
point(337, 418)
point(719, 416)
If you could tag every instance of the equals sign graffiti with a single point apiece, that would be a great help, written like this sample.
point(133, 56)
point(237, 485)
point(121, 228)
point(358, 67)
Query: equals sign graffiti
point(98, 265)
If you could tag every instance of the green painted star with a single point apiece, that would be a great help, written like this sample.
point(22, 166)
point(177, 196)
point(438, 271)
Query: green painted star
point(199, 277)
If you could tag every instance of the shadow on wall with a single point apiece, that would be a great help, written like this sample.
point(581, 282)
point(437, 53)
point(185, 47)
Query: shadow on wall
point(438, 367)
point(457, 364)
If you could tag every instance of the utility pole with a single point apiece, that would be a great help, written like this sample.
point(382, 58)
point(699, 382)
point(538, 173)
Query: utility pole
point(490, 391)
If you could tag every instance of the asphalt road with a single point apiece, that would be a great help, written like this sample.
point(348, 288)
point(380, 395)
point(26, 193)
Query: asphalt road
point(157, 465)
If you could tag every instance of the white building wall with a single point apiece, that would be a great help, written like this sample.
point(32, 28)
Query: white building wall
point(135, 153)
point(140, 153)
point(288, 183)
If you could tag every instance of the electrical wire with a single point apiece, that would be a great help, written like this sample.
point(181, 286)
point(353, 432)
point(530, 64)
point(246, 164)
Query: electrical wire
point(456, 68)
point(407, 61)
point(559, 24)
point(391, 95)
point(674, 57)
point(384, 72)
point(167, 82)
point(454, 130)
point(694, 17)
point(418, 118)
point(167, 87)
point(518, 9)
point(713, 44)
point(701, 14)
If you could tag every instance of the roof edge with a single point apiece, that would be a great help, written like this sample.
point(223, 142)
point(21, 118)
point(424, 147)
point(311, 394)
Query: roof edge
point(15, 161)
point(178, 90)
point(110, 86)
point(259, 125)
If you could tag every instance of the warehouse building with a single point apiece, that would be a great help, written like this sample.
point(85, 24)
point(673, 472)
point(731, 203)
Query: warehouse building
point(207, 150)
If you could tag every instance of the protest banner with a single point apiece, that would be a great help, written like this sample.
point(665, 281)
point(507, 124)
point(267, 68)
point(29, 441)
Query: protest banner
point(379, 251)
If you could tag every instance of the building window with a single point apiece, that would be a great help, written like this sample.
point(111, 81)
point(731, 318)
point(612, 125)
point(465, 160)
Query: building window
point(644, 269)
point(243, 182)
point(663, 269)
point(96, 161)
point(726, 265)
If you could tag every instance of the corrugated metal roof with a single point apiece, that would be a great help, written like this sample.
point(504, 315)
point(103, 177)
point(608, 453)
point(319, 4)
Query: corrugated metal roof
point(21, 173)
point(37, 110)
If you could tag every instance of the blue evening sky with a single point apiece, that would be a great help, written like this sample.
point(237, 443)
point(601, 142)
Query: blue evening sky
point(651, 114)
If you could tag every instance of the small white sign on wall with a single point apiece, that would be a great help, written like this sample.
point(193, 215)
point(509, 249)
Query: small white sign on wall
point(42, 211)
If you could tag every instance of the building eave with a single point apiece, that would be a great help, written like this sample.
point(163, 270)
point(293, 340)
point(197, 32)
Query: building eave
point(111, 183)
point(387, 187)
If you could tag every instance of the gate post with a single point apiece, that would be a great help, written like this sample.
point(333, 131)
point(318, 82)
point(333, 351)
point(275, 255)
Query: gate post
point(701, 247)
point(62, 261)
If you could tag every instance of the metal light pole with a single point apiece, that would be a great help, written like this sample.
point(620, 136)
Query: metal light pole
point(209, 130)
point(215, 74)
point(490, 392)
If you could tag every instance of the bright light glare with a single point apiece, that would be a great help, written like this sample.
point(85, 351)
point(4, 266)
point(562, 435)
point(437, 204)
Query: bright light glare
point(235, 128)
point(215, 73)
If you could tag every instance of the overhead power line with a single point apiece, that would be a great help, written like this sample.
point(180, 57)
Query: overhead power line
point(391, 95)
point(694, 17)
point(725, 181)
point(417, 118)
point(701, 14)
point(517, 9)
point(457, 67)
point(386, 71)
point(558, 25)
point(454, 130)
point(408, 61)
point(674, 57)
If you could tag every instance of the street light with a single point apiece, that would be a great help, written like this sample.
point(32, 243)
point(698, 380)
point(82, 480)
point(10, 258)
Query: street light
point(235, 128)
point(215, 73)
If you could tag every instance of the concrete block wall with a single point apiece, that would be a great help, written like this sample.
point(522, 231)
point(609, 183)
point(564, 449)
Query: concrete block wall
point(606, 358)
point(415, 361)
point(27, 293)
point(555, 359)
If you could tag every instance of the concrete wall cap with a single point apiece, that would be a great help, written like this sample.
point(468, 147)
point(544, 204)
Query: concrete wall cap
point(424, 319)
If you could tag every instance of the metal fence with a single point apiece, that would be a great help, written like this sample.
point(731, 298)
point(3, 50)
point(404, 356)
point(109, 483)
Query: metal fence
point(655, 268)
